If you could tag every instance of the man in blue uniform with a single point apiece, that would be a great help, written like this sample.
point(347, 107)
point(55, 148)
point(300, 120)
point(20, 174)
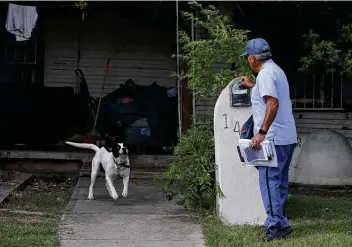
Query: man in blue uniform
point(274, 121)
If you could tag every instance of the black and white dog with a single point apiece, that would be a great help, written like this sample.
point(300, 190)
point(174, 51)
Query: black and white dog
point(115, 161)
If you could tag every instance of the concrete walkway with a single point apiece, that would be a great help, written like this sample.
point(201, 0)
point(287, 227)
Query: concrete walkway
point(144, 219)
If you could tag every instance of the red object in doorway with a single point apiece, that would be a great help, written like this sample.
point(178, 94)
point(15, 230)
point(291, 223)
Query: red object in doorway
point(126, 100)
point(92, 138)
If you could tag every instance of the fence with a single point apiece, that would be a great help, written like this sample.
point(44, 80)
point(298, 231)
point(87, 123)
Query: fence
point(320, 92)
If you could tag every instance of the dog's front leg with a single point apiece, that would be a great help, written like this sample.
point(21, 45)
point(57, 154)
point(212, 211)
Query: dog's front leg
point(114, 194)
point(108, 188)
point(125, 181)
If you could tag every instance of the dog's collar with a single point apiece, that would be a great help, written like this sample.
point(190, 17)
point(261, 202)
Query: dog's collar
point(123, 164)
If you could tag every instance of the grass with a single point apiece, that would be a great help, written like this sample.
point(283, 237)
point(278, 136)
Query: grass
point(48, 197)
point(20, 230)
point(317, 222)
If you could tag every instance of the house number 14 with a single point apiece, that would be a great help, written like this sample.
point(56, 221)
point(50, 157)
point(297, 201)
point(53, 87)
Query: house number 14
point(237, 127)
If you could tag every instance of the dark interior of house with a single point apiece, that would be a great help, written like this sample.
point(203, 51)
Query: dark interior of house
point(40, 116)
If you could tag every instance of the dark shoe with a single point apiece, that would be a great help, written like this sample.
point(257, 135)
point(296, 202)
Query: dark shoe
point(265, 230)
point(277, 233)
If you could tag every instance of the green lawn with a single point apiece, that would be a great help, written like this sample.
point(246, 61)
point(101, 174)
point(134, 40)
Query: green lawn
point(18, 228)
point(316, 221)
point(28, 231)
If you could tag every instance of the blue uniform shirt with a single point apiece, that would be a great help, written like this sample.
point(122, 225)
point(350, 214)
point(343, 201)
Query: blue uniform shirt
point(272, 81)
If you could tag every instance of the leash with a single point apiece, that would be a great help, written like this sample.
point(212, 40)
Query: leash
point(124, 164)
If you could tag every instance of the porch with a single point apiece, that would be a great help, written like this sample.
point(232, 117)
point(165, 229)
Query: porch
point(46, 103)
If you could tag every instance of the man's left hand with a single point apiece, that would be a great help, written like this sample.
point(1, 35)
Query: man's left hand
point(256, 140)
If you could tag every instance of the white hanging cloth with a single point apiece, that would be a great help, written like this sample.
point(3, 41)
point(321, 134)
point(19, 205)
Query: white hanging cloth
point(21, 21)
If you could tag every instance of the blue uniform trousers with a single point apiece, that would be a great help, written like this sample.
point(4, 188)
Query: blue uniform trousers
point(273, 183)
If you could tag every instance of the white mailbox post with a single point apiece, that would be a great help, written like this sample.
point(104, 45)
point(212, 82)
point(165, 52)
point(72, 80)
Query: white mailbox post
point(242, 203)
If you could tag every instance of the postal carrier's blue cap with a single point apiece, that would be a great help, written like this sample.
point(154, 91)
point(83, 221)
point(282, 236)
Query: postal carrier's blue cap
point(256, 47)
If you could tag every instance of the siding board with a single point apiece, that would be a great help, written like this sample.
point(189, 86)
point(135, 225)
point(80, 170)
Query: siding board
point(141, 53)
point(322, 115)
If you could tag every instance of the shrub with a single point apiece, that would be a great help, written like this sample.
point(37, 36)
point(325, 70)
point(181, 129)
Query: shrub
point(191, 172)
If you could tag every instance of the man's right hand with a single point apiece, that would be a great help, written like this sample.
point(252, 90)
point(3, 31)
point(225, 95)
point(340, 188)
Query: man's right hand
point(246, 82)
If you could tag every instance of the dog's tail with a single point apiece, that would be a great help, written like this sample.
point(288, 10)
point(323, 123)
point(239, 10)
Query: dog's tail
point(84, 145)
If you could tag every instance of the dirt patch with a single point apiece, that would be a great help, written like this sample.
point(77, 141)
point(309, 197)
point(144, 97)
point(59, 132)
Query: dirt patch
point(40, 184)
point(20, 218)
point(43, 194)
point(7, 179)
point(6, 176)
point(47, 186)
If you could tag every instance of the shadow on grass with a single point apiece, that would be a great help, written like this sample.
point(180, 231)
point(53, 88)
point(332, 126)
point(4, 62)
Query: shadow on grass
point(317, 221)
point(300, 207)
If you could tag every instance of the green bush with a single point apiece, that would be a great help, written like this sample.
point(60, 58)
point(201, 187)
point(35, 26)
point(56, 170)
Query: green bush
point(191, 172)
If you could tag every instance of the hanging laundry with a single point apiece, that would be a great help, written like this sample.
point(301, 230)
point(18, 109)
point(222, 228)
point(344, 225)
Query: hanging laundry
point(21, 21)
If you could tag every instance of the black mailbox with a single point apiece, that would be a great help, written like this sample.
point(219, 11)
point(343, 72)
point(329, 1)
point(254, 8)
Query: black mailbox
point(239, 96)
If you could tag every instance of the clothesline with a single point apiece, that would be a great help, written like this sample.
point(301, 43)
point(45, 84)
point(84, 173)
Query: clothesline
point(42, 6)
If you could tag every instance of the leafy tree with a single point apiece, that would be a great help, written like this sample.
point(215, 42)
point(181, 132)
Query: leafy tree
point(80, 4)
point(224, 45)
point(331, 56)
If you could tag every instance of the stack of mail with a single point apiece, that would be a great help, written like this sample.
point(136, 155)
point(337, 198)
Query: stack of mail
point(265, 156)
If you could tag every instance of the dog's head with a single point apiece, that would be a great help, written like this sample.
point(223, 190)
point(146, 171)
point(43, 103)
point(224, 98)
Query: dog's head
point(120, 150)
point(117, 148)
point(120, 153)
